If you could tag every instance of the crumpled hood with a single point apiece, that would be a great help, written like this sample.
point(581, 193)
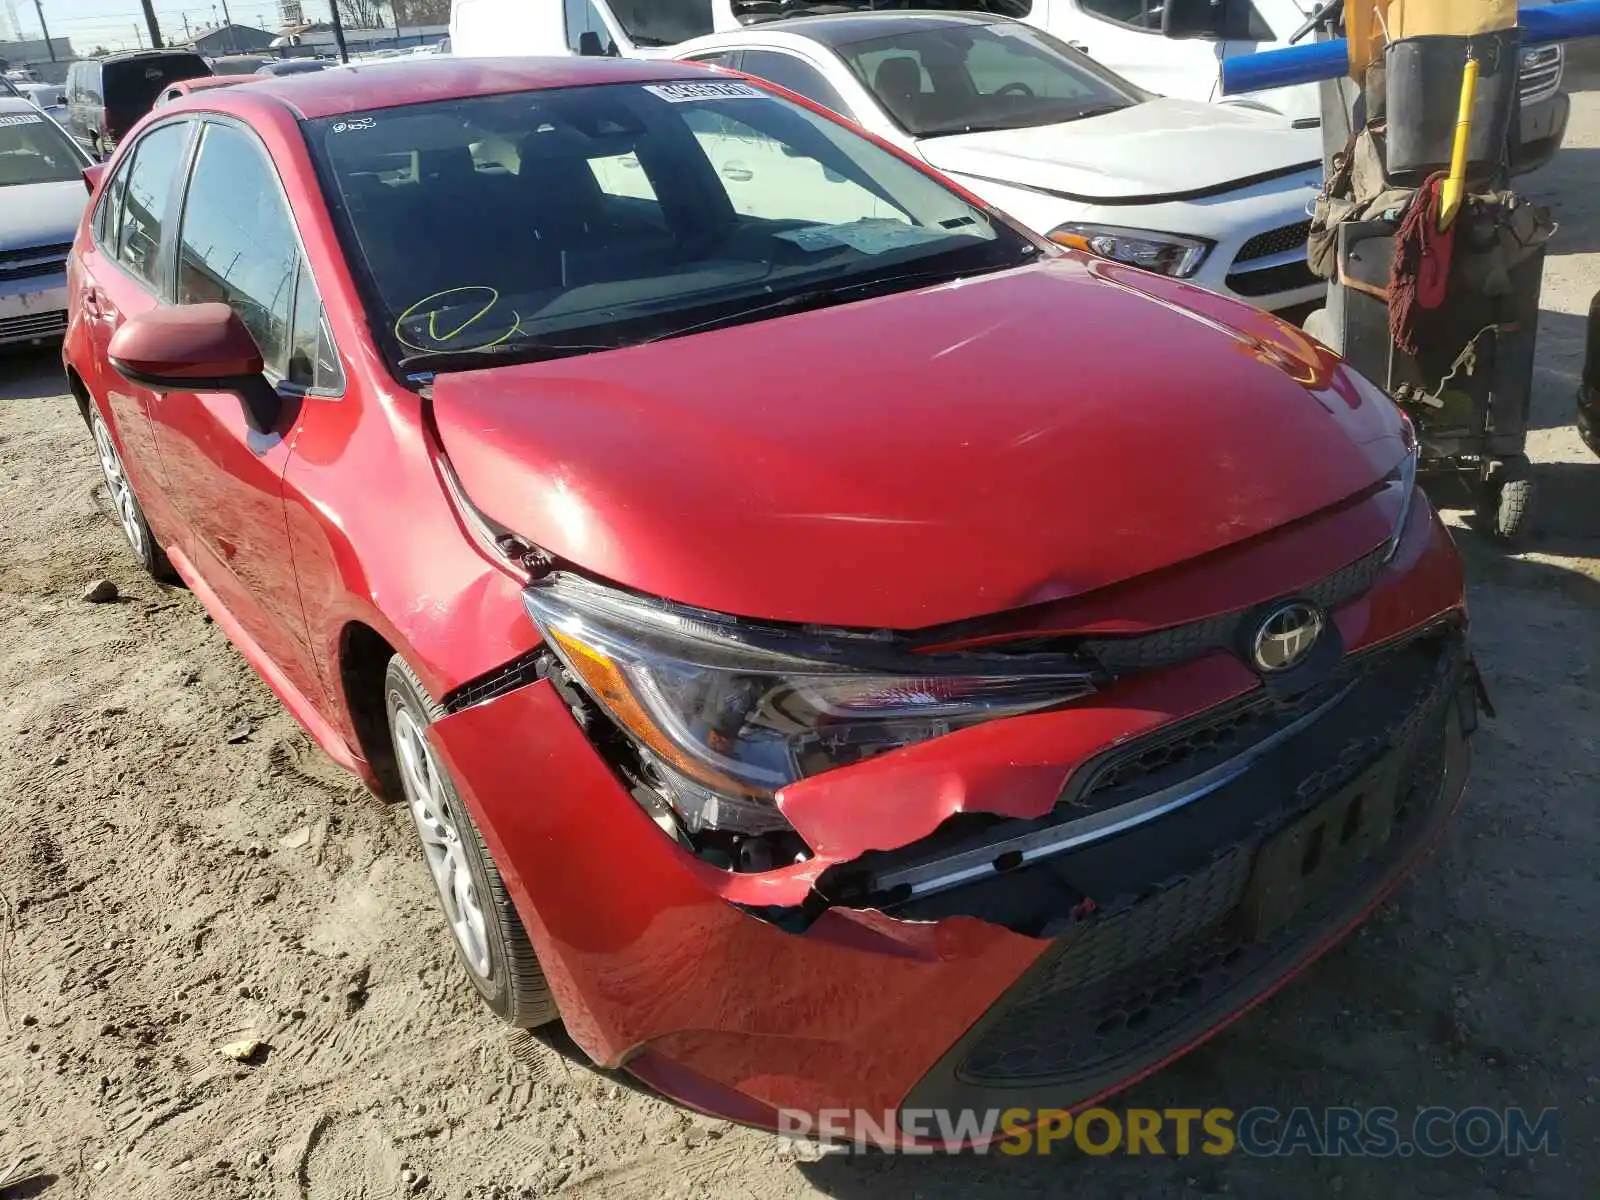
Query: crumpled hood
point(916, 459)
point(40, 214)
point(1147, 152)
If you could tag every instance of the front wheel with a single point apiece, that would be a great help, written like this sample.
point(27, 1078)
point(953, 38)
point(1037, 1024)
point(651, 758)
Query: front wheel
point(488, 935)
point(1505, 500)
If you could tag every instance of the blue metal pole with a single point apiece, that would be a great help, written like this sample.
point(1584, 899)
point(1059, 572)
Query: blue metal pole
point(1316, 61)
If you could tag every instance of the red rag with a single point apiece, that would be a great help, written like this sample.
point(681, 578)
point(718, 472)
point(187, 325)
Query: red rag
point(1419, 280)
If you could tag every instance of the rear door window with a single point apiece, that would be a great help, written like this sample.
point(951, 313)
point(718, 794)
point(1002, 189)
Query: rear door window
point(798, 76)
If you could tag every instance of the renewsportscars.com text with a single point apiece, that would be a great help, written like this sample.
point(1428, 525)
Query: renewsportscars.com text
point(1430, 1131)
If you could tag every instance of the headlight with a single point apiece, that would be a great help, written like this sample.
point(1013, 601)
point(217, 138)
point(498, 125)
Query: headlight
point(1403, 481)
point(726, 712)
point(1166, 253)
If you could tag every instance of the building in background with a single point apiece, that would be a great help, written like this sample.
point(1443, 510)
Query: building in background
point(35, 55)
point(233, 39)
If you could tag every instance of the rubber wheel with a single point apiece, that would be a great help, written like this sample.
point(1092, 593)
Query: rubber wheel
point(129, 514)
point(1505, 503)
point(1589, 431)
point(490, 941)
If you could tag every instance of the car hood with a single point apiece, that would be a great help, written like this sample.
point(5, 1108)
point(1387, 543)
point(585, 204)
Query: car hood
point(40, 214)
point(915, 459)
point(1150, 152)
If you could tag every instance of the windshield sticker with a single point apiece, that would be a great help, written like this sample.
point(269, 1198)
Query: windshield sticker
point(679, 93)
point(870, 235)
point(21, 119)
point(813, 238)
point(440, 321)
point(354, 123)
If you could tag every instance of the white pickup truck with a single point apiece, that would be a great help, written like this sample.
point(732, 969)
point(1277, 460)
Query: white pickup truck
point(1124, 35)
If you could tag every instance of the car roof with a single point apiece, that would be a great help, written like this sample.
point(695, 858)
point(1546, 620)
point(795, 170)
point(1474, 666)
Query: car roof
point(415, 80)
point(16, 104)
point(843, 29)
point(127, 55)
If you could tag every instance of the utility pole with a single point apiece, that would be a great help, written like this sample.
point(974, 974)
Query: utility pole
point(38, 6)
point(187, 36)
point(338, 31)
point(150, 20)
point(138, 36)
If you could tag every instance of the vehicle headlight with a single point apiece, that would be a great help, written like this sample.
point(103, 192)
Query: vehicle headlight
point(726, 712)
point(1167, 253)
point(1403, 482)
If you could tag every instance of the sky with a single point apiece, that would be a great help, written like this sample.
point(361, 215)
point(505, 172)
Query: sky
point(112, 23)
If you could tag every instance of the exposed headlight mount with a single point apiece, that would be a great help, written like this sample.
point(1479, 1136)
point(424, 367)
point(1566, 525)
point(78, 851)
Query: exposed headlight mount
point(727, 712)
point(1165, 253)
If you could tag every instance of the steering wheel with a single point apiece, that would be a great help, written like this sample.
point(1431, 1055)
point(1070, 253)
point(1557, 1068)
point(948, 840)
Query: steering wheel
point(1016, 89)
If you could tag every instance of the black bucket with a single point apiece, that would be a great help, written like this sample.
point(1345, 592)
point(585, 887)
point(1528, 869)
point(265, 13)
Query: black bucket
point(1423, 102)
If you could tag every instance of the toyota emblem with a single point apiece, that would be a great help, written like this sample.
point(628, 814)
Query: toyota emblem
point(1285, 637)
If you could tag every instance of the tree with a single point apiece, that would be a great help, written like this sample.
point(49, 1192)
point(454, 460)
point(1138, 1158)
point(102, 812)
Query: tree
point(363, 14)
point(99, 52)
point(422, 12)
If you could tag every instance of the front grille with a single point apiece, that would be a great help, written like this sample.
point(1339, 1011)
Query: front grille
point(26, 254)
point(33, 270)
point(33, 325)
point(1269, 282)
point(1181, 643)
point(1541, 74)
point(1145, 975)
point(1274, 241)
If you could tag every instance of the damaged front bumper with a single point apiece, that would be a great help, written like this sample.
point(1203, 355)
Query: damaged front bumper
point(1037, 957)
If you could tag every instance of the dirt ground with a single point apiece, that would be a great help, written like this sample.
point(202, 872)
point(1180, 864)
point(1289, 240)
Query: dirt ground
point(181, 870)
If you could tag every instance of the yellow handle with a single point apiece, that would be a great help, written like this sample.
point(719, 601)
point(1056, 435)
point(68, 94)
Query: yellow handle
point(1455, 185)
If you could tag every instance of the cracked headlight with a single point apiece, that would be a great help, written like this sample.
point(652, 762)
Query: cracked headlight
point(726, 712)
point(1165, 253)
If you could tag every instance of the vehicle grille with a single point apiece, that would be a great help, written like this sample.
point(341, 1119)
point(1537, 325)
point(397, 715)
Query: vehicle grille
point(33, 325)
point(1270, 281)
point(1140, 979)
point(1169, 647)
point(1541, 73)
point(1274, 241)
point(33, 261)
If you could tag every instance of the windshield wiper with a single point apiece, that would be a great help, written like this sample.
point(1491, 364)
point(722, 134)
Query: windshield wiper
point(1097, 110)
point(819, 297)
point(494, 356)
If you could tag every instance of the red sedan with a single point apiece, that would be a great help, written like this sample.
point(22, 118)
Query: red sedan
point(837, 649)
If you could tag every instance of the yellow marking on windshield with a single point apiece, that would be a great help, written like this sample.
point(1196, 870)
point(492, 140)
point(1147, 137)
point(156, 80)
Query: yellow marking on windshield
point(432, 327)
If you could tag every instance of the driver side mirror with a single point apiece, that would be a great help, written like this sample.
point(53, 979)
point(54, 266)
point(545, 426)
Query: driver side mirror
point(92, 176)
point(1191, 19)
point(196, 348)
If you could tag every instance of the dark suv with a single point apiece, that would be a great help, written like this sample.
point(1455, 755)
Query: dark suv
point(105, 96)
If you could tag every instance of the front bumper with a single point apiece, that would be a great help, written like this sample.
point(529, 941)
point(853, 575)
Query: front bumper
point(688, 977)
point(1543, 126)
point(33, 310)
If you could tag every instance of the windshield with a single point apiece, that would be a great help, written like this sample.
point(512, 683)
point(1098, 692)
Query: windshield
point(578, 219)
point(33, 149)
point(971, 78)
point(662, 22)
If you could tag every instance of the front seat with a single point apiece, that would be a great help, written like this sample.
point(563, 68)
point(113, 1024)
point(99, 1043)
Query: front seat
point(898, 81)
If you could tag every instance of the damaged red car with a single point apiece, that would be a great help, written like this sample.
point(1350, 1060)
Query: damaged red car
point(838, 650)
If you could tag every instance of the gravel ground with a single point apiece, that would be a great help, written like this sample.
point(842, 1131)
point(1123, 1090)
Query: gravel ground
point(180, 870)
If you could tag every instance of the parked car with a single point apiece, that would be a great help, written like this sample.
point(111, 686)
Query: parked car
point(240, 64)
point(188, 87)
point(41, 204)
point(1212, 194)
point(105, 96)
point(293, 66)
point(1589, 381)
point(48, 98)
point(1172, 48)
point(838, 648)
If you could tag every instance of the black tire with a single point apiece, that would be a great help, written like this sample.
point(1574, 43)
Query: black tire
point(1589, 430)
point(506, 973)
point(1505, 501)
point(130, 514)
